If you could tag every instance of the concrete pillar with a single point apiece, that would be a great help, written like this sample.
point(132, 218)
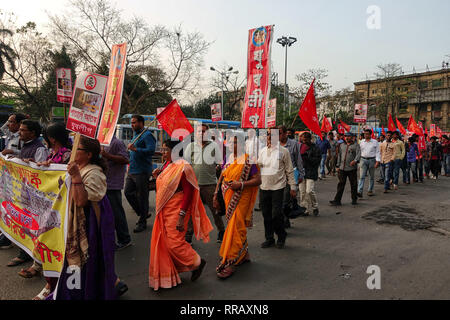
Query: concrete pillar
point(429, 110)
point(444, 113)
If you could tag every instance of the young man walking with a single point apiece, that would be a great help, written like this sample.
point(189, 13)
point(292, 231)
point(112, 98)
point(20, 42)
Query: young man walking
point(348, 158)
point(370, 160)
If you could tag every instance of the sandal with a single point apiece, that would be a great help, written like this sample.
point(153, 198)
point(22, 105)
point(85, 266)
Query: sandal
point(226, 273)
point(197, 272)
point(29, 273)
point(43, 294)
point(16, 262)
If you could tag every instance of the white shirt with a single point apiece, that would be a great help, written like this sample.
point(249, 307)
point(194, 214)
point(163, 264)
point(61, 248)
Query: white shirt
point(276, 168)
point(370, 149)
point(12, 139)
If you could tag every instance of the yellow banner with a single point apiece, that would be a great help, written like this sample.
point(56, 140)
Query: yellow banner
point(33, 210)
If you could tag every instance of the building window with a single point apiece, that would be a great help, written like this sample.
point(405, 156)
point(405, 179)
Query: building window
point(436, 83)
point(343, 103)
point(383, 91)
point(423, 84)
point(374, 91)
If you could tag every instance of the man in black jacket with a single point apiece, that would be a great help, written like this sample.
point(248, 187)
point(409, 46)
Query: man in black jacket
point(311, 156)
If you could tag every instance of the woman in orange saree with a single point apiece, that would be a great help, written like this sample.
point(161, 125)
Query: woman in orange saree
point(177, 200)
point(239, 186)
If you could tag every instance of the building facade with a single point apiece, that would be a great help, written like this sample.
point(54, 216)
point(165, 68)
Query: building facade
point(425, 96)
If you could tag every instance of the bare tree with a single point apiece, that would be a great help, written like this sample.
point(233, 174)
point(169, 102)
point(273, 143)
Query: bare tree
point(233, 92)
point(168, 60)
point(320, 86)
point(390, 98)
point(32, 55)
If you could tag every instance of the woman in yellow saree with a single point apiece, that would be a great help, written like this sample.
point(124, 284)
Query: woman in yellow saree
point(177, 200)
point(239, 183)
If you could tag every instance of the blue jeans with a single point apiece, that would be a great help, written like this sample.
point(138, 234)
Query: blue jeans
point(412, 168)
point(447, 163)
point(397, 166)
point(382, 171)
point(322, 164)
point(388, 171)
point(366, 165)
point(419, 169)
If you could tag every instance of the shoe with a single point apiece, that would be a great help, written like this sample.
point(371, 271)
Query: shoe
point(395, 187)
point(316, 212)
point(120, 246)
point(140, 228)
point(121, 288)
point(354, 202)
point(370, 193)
point(280, 244)
point(197, 272)
point(257, 209)
point(268, 243)
point(385, 191)
point(219, 237)
point(297, 213)
point(335, 203)
point(359, 194)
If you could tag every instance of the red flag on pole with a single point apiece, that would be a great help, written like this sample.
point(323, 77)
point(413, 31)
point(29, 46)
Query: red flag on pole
point(413, 127)
point(391, 125)
point(326, 125)
point(346, 126)
point(172, 118)
point(400, 127)
point(308, 111)
point(383, 131)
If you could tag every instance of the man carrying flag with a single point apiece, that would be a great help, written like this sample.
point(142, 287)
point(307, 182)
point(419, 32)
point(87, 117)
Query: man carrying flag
point(308, 111)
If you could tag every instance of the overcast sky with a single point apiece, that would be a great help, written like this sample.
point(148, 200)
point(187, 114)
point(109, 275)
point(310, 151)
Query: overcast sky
point(331, 34)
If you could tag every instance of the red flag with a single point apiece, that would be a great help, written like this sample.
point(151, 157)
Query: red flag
point(391, 125)
point(172, 118)
point(346, 126)
point(326, 126)
point(373, 134)
point(413, 127)
point(308, 111)
point(383, 131)
point(400, 126)
point(341, 129)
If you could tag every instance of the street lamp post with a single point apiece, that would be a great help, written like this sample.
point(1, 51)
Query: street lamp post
point(223, 74)
point(286, 42)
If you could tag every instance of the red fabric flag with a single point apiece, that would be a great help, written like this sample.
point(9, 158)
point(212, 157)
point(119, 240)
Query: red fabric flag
point(391, 125)
point(413, 127)
point(326, 125)
point(383, 131)
point(308, 111)
point(346, 126)
point(172, 118)
point(400, 127)
point(373, 134)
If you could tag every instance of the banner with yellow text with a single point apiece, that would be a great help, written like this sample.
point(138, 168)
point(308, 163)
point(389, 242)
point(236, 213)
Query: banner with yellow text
point(113, 100)
point(33, 210)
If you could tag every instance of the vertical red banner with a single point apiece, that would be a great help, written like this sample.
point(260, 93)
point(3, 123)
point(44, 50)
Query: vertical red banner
point(258, 77)
point(113, 99)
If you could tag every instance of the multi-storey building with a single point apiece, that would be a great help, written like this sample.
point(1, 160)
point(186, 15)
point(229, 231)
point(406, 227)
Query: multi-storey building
point(425, 96)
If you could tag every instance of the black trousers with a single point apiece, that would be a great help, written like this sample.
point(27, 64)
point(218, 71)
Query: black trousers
point(120, 219)
point(272, 211)
point(353, 178)
point(435, 167)
point(137, 192)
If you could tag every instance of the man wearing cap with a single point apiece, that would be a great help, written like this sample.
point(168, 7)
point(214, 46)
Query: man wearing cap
point(348, 158)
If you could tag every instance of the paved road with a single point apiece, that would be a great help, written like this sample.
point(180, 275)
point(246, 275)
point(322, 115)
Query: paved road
point(325, 257)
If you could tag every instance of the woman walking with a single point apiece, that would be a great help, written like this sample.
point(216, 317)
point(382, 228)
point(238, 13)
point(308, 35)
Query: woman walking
point(238, 183)
point(90, 235)
point(177, 201)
